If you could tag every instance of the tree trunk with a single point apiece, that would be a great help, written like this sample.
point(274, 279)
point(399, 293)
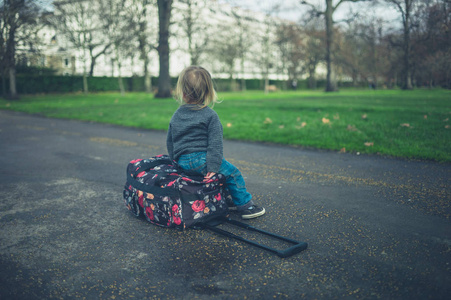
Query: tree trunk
point(243, 79)
point(121, 85)
point(164, 80)
point(312, 82)
point(148, 82)
point(85, 83)
point(232, 83)
point(120, 81)
point(12, 83)
point(266, 83)
point(147, 77)
point(3, 83)
point(94, 57)
point(11, 61)
point(112, 68)
point(91, 68)
point(145, 59)
point(243, 84)
point(311, 78)
point(407, 78)
point(331, 85)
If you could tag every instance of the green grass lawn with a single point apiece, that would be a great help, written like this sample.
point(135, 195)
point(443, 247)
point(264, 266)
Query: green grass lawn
point(410, 124)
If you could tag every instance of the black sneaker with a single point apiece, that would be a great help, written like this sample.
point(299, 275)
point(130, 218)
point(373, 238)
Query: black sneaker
point(252, 212)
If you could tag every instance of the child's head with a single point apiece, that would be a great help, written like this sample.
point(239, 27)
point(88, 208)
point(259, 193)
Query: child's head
point(195, 86)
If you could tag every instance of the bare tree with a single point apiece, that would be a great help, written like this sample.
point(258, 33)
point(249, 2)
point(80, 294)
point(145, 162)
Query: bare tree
point(226, 50)
point(290, 40)
point(405, 8)
point(245, 40)
point(314, 52)
point(79, 22)
point(431, 44)
point(164, 17)
point(194, 28)
point(361, 50)
point(139, 16)
point(19, 19)
point(328, 14)
point(266, 57)
point(373, 59)
point(116, 29)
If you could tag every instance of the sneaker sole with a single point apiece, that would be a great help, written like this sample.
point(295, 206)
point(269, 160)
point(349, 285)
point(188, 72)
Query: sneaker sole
point(247, 217)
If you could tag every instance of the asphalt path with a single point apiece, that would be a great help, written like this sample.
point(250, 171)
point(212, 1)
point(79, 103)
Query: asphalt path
point(376, 227)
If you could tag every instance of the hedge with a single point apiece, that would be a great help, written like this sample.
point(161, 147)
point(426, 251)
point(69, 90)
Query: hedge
point(39, 84)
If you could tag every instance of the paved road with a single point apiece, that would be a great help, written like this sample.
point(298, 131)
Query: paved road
point(376, 227)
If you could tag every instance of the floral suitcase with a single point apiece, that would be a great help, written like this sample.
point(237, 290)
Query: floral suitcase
point(158, 189)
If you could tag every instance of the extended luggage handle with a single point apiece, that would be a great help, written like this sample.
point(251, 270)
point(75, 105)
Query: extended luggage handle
point(296, 248)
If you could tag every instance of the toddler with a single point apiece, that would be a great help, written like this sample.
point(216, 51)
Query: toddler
point(194, 137)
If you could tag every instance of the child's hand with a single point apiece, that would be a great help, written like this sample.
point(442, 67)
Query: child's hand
point(209, 175)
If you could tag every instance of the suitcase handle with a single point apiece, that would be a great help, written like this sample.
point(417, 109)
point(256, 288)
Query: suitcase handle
point(131, 178)
point(152, 164)
point(296, 248)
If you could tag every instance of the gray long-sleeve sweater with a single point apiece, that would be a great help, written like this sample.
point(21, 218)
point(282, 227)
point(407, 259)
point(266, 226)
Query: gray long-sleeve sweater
point(196, 130)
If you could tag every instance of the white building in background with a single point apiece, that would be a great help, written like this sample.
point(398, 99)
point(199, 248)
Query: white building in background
point(259, 59)
point(49, 53)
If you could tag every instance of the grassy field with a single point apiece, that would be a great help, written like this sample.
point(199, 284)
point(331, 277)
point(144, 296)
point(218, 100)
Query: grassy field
point(410, 124)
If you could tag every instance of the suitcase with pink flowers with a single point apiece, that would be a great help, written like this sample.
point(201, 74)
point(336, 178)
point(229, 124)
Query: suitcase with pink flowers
point(157, 189)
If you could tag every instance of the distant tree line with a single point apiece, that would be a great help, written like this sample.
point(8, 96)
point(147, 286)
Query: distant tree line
point(415, 52)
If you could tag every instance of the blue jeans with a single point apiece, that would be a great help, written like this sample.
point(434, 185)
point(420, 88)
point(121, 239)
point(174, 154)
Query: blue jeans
point(197, 162)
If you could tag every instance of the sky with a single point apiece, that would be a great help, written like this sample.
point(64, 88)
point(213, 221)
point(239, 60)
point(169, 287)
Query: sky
point(292, 10)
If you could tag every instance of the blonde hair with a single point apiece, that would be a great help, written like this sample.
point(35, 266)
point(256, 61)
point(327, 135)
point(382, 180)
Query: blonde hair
point(195, 86)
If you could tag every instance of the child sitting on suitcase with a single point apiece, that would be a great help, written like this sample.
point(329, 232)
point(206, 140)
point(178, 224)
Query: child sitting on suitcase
point(194, 137)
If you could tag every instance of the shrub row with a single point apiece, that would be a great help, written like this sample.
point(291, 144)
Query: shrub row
point(37, 84)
